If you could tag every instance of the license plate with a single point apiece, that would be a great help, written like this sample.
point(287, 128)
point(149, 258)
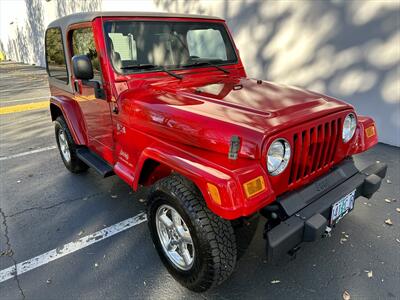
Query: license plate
point(342, 207)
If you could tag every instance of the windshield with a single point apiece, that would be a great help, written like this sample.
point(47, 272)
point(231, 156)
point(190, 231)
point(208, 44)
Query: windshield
point(137, 46)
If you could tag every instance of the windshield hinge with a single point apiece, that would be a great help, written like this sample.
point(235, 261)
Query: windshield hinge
point(234, 147)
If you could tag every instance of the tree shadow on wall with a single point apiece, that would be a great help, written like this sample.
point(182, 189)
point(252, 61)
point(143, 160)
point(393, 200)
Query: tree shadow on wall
point(35, 29)
point(347, 49)
point(27, 41)
point(186, 7)
point(66, 7)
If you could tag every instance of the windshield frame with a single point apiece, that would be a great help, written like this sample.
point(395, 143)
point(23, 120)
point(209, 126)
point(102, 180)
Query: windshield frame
point(128, 72)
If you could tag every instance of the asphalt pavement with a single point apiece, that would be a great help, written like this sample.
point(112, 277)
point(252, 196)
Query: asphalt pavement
point(44, 207)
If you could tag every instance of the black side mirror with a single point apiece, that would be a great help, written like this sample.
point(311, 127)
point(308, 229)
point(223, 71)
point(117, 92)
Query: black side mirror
point(82, 67)
point(83, 70)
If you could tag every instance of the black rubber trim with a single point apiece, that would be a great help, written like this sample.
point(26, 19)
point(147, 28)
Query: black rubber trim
point(291, 232)
point(294, 201)
point(314, 227)
point(95, 162)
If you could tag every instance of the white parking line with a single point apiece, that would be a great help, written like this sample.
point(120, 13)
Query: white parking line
point(28, 152)
point(26, 99)
point(69, 248)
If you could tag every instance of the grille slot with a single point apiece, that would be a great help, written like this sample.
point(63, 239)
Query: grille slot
point(314, 149)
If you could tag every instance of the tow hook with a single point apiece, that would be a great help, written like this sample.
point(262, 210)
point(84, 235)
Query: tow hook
point(292, 252)
point(327, 232)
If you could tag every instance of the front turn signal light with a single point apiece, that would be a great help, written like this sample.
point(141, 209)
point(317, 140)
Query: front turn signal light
point(370, 131)
point(254, 186)
point(213, 190)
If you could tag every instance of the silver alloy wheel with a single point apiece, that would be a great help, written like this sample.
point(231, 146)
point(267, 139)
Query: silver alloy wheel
point(175, 237)
point(62, 139)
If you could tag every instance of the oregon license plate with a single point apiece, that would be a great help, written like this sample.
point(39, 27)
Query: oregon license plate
point(342, 207)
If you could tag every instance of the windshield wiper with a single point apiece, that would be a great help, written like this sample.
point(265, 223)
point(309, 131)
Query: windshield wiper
point(151, 66)
point(138, 66)
point(206, 63)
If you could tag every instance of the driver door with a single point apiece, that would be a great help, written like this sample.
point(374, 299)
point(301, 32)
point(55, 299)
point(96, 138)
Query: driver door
point(96, 112)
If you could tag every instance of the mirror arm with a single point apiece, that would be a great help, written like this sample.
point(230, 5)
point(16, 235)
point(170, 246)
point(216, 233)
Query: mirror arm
point(98, 91)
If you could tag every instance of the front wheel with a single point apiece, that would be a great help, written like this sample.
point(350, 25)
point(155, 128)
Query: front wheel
point(197, 247)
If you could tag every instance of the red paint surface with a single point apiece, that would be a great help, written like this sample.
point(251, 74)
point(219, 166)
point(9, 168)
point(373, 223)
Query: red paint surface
point(186, 126)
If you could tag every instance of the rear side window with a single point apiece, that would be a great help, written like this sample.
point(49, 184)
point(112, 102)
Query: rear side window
point(55, 56)
point(83, 44)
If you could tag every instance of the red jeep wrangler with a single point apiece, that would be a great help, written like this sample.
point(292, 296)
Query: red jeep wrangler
point(163, 100)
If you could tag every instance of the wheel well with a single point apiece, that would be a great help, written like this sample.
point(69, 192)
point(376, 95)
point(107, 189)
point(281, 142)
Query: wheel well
point(153, 171)
point(55, 111)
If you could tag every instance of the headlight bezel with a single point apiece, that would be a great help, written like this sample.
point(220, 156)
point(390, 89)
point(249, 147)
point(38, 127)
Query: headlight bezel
point(348, 133)
point(284, 161)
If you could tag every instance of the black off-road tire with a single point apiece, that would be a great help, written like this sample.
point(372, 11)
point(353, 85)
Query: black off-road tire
point(75, 165)
point(213, 237)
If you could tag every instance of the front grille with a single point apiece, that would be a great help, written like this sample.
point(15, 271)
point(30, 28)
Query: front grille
point(314, 149)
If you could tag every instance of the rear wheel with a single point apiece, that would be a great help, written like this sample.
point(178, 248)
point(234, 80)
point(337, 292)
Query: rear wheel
point(197, 247)
point(67, 147)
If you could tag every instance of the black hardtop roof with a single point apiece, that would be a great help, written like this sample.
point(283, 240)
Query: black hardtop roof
point(90, 16)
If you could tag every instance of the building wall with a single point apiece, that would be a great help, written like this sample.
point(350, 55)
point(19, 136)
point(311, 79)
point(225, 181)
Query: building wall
point(347, 49)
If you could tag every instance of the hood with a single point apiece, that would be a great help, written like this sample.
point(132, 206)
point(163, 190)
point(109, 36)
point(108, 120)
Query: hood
point(205, 113)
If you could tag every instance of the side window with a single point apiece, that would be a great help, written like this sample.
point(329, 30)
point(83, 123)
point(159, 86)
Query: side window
point(55, 56)
point(206, 43)
point(83, 44)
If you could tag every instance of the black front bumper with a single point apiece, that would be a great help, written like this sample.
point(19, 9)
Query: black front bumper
point(308, 210)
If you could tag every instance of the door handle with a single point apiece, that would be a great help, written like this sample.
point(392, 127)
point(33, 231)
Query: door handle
point(115, 109)
point(78, 86)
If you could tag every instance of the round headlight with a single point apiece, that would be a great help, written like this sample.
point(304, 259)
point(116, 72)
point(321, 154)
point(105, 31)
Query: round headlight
point(278, 156)
point(349, 127)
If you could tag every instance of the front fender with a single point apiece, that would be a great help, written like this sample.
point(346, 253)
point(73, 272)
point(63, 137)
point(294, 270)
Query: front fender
point(73, 116)
point(367, 135)
point(234, 203)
